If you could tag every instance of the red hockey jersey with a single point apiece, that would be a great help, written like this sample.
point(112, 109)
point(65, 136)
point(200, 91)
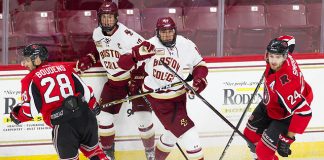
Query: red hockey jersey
point(45, 88)
point(287, 94)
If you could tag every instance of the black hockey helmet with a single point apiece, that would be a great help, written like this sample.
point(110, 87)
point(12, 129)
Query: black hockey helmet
point(277, 46)
point(34, 50)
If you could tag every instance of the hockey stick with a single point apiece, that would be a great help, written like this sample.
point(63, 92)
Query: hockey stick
point(241, 119)
point(188, 79)
point(207, 103)
point(182, 151)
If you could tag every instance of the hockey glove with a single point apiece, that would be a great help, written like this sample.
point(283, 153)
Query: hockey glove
point(93, 105)
point(143, 51)
point(85, 62)
point(14, 115)
point(199, 84)
point(284, 145)
point(137, 79)
point(96, 110)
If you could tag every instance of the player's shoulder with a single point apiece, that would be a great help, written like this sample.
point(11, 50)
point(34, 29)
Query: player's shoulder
point(153, 39)
point(97, 30)
point(97, 34)
point(184, 43)
point(28, 78)
point(289, 76)
point(292, 66)
point(127, 31)
point(183, 40)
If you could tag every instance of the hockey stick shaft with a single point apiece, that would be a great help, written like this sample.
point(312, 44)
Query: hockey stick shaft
point(207, 103)
point(242, 117)
point(188, 79)
point(184, 155)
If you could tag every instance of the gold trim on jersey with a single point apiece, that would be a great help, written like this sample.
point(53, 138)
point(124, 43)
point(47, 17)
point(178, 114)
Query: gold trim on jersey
point(106, 133)
point(169, 95)
point(118, 78)
point(147, 136)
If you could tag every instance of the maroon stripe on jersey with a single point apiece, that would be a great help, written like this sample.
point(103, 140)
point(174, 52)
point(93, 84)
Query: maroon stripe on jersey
point(106, 127)
point(194, 151)
point(146, 129)
point(169, 145)
point(119, 73)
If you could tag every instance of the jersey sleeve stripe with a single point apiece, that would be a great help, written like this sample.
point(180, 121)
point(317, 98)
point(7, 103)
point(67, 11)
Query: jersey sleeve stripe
point(304, 113)
point(284, 102)
point(86, 91)
point(33, 109)
point(27, 114)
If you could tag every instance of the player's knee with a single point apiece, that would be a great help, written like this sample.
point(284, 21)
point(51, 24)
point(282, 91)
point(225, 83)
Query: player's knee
point(105, 118)
point(250, 133)
point(166, 141)
point(191, 140)
point(143, 119)
point(192, 144)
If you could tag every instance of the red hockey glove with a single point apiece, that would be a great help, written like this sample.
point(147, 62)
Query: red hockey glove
point(143, 51)
point(199, 84)
point(85, 62)
point(284, 145)
point(133, 88)
point(137, 79)
point(93, 105)
point(14, 114)
point(199, 74)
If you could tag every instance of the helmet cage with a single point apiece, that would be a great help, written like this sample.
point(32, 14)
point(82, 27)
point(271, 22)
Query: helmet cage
point(107, 8)
point(167, 43)
point(166, 23)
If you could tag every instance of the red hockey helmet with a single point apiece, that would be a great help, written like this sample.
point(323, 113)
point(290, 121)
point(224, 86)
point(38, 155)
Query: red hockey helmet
point(290, 40)
point(107, 8)
point(164, 23)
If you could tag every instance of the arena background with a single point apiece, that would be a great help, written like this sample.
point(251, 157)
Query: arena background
point(230, 87)
point(231, 35)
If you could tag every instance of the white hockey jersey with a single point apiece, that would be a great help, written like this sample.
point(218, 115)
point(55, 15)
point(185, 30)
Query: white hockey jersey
point(111, 47)
point(183, 55)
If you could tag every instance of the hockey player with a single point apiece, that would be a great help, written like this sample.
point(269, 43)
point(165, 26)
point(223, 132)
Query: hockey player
point(113, 39)
point(65, 102)
point(285, 109)
point(170, 105)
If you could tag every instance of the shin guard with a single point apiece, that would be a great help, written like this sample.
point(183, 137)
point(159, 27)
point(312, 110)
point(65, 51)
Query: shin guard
point(164, 145)
point(106, 129)
point(146, 129)
point(254, 137)
point(264, 152)
point(192, 144)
